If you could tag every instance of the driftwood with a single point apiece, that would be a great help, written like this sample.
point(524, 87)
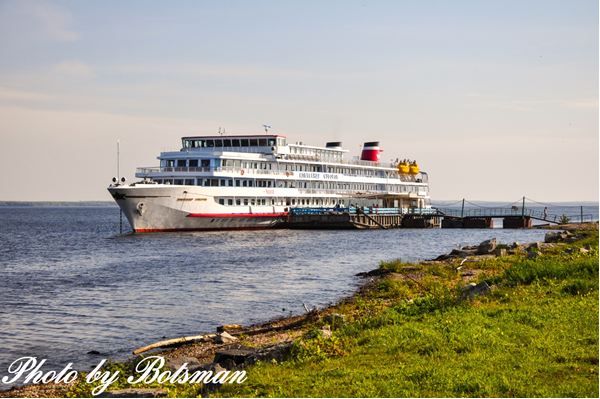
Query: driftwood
point(297, 323)
point(173, 342)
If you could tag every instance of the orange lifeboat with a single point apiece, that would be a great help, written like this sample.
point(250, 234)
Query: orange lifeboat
point(403, 168)
point(413, 168)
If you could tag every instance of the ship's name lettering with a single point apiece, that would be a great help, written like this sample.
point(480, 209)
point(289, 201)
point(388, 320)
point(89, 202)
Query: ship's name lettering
point(326, 176)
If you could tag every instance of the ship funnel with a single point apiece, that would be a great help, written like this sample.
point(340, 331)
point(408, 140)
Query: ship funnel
point(336, 145)
point(370, 151)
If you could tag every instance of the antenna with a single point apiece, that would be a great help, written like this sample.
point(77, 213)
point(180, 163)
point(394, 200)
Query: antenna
point(267, 127)
point(118, 161)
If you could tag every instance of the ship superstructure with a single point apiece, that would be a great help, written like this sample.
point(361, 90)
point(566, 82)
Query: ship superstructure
point(252, 182)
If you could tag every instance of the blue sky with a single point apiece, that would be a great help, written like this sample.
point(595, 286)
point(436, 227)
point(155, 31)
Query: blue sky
point(494, 99)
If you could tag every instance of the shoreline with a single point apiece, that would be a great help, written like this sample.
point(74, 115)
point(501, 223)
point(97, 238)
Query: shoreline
point(204, 352)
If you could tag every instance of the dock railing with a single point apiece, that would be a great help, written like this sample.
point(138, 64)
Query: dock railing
point(514, 212)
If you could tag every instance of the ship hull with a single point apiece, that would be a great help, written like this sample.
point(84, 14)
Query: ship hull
point(162, 208)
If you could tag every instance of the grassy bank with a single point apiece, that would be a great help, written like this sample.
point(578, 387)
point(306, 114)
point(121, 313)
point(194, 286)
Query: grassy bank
point(534, 335)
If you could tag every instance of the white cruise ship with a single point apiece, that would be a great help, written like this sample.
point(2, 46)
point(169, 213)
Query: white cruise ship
point(253, 182)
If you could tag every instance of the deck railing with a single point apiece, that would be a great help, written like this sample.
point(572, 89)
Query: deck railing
point(274, 172)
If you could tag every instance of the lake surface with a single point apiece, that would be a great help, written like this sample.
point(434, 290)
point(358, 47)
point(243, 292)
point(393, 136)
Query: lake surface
point(71, 284)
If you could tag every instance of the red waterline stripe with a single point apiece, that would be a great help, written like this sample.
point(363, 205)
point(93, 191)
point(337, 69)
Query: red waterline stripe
point(200, 229)
point(235, 215)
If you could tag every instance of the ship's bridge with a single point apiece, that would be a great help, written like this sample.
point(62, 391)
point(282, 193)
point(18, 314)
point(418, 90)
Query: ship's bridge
point(234, 143)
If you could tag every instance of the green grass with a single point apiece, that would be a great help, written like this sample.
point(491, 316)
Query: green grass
point(534, 335)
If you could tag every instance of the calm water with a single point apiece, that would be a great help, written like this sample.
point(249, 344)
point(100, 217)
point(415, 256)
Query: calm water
point(70, 284)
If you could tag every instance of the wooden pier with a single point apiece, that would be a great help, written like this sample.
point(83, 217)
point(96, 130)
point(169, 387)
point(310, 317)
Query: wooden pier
point(513, 217)
point(352, 218)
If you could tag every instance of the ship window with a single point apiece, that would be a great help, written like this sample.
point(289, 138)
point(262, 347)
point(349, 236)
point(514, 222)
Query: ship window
point(230, 201)
point(179, 182)
point(186, 143)
point(235, 142)
point(189, 182)
point(210, 143)
point(255, 165)
point(170, 163)
point(238, 201)
point(230, 182)
point(262, 142)
point(214, 182)
point(223, 183)
point(237, 182)
point(250, 183)
point(272, 201)
point(201, 143)
point(226, 142)
point(253, 142)
point(199, 182)
point(218, 143)
point(221, 201)
point(181, 162)
point(205, 163)
point(264, 201)
point(237, 163)
point(293, 201)
point(193, 163)
point(206, 183)
point(272, 142)
point(245, 201)
point(252, 201)
point(244, 142)
point(159, 181)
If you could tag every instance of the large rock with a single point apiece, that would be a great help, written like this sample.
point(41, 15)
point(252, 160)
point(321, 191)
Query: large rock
point(576, 250)
point(175, 363)
point(461, 253)
point(572, 239)
point(500, 252)
point(237, 354)
point(554, 236)
point(278, 352)
point(469, 291)
point(532, 245)
point(135, 393)
point(487, 247)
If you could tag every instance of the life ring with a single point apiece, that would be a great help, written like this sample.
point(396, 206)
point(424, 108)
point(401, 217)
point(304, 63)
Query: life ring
point(242, 172)
point(287, 174)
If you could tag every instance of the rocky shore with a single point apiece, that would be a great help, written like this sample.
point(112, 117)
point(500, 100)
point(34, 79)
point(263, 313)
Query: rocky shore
point(235, 347)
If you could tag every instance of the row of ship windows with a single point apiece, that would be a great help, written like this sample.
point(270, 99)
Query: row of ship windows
point(219, 143)
point(290, 184)
point(279, 201)
point(236, 163)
